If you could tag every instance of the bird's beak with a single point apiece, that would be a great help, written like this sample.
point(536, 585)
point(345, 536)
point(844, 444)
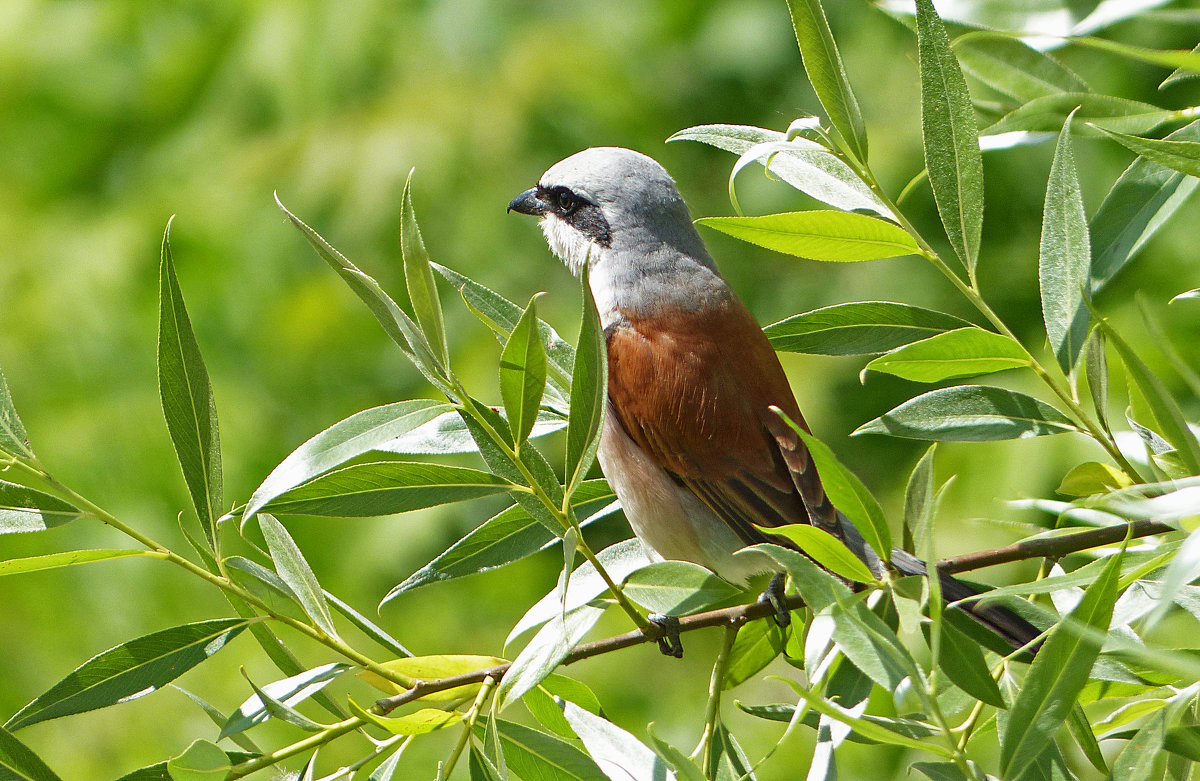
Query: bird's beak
point(528, 203)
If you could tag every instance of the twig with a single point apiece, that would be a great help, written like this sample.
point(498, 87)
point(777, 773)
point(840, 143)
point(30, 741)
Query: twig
point(1053, 547)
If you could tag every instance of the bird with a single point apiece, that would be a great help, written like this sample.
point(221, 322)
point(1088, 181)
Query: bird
point(692, 441)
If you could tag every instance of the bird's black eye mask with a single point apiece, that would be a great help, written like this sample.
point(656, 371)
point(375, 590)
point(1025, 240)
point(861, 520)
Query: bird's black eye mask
point(578, 212)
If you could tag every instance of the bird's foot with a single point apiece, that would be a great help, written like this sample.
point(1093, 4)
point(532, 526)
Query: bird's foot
point(774, 595)
point(668, 642)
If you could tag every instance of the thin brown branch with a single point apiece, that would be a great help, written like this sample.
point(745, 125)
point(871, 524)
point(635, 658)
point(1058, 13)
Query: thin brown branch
point(1052, 547)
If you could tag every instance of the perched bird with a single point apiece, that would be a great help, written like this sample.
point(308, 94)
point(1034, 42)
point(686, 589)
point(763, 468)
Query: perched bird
point(690, 444)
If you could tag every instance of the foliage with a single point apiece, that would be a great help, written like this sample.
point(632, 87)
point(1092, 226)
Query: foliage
point(889, 666)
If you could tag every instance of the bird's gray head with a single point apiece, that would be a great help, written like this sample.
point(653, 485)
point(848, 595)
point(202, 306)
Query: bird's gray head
point(608, 202)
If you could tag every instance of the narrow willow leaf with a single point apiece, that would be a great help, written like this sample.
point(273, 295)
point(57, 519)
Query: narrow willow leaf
point(731, 138)
point(203, 760)
point(533, 754)
point(951, 137)
point(367, 627)
point(1180, 74)
point(815, 171)
point(18, 762)
point(820, 235)
point(962, 660)
point(218, 718)
point(545, 652)
point(289, 691)
point(279, 710)
point(480, 767)
point(419, 722)
point(858, 328)
point(1081, 730)
point(187, 398)
point(523, 373)
point(1064, 257)
point(964, 352)
point(1181, 156)
point(920, 503)
point(727, 757)
point(823, 64)
point(1170, 417)
point(1009, 65)
point(617, 753)
point(1143, 758)
point(827, 550)
point(418, 277)
point(1050, 112)
point(941, 771)
point(541, 702)
point(448, 433)
point(362, 432)
point(385, 488)
point(1058, 673)
point(1091, 478)
point(67, 559)
point(684, 766)
point(589, 391)
point(26, 510)
point(1141, 200)
point(293, 570)
point(676, 588)
point(130, 670)
point(970, 413)
point(13, 439)
point(756, 645)
point(1164, 58)
point(266, 585)
point(428, 668)
point(510, 535)
point(398, 325)
point(1095, 365)
point(501, 315)
point(848, 494)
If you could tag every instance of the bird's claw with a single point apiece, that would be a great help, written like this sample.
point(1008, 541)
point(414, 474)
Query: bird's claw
point(774, 594)
point(668, 641)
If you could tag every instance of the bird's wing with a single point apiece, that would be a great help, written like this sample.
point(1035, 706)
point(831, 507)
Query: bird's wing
point(693, 390)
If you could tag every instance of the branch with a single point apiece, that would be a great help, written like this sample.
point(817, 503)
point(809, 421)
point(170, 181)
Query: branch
point(1052, 547)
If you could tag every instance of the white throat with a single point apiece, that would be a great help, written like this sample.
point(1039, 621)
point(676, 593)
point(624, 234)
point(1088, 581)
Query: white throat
point(567, 243)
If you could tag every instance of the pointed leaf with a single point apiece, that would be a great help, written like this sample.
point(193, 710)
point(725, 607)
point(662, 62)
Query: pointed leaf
point(266, 585)
point(523, 373)
point(676, 588)
point(289, 691)
point(360, 433)
point(418, 278)
point(1009, 65)
point(67, 559)
point(13, 439)
point(820, 235)
point(823, 64)
point(293, 570)
point(620, 755)
point(1181, 156)
point(920, 504)
point(201, 761)
point(130, 670)
point(419, 722)
point(367, 627)
point(731, 138)
point(815, 171)
point(827, 550)
point(970, 413)
point(1096, 370)
point(545, 652)
point(19, 763)
point(756, 645)
point(532, 754)
point(964, 352)
point(385, 488)
point(948, 126)
point(1164, 58)
point(187, 398)
point(448, 433)
point(962, 660)
point(280, 710)
point(1092, 477)
point(589, 391)
point(1048, 113)
point(858, 328)
point(428, 668)
point(26, 510)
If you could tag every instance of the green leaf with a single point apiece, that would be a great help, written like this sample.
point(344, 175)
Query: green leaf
point(1141, 200)
point(1058, 674)
point(130, 670)
point(266, 585)
point(964, 352)
point(523, 374)
point(419, 722)
point(385, 488)
point(289, 691)
point(533, 754)
point(684, 766)
point(676, 588)
point(1181, 156)
point(510, 535)
point(1143, 758)
point(293, 570)
point(617, 753)
point(969, 413)
point(730, 138)
point(201, 761)
point(1064, 257)
point(1092, 477)
point(26, 510)
point(19, 763)
point(418, 277)
point(589, 391)
point(540, 701)
point(362, 432)
point(1095, 364)
point(848, 494)
point(281, 711)
point(1164, 58)
point(1180, 74)
point(67, 559)
point(1166, 410)
point(951, 137)
point(545, 652)
point(827, 550)
point(823, 64)
point(858, 328)
point(728, 758)
point(813, 170)
point(820, 235)
point(479, 767)
point(756, 645)
point(920, 504)
point(1048, 114)
point(962, 660)
point(1009, 65)
point(187, 398)
point(428, 668)
point(13, 439)
point(367, 627)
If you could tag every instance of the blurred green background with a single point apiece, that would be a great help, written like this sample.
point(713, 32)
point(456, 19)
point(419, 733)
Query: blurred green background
point(116, 115)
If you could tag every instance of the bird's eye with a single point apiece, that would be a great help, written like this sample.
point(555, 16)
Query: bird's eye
point(566, 201)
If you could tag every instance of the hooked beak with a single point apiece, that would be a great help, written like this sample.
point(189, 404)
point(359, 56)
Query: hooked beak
point(528, 203)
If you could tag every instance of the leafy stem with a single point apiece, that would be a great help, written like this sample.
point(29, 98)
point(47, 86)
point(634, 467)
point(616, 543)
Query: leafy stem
point(468, 726)
point(712, 711)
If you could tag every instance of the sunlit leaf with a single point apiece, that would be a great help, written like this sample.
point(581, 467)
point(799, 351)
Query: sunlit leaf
point(429, 668)
point(1048, 113)
point(18, 762)
point(26, 510)
point(418, 277)
point(757, 644)
point(130, 670)
point(367, 627)
point(290, 691)
point(827, 550)
point(546, 651)
point(294, 570)
point(617, 753)
point(858, 328)
point(67, 559)
point(676, 588)
point(202, 761)
point(1011, 66)
point(1093, 477)
point(964, 352)
point(920, 503)
point(1143, 758)
point(523, 374)
point(815, 171)
point(13, 439)
point(970, 413)
point(533, 754)
point(419, 722)
point(187, 397)
point(1181, 156)
point(820, 235)
point(589, 391)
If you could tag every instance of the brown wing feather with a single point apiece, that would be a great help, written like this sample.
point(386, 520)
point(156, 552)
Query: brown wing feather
point(699, 406)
